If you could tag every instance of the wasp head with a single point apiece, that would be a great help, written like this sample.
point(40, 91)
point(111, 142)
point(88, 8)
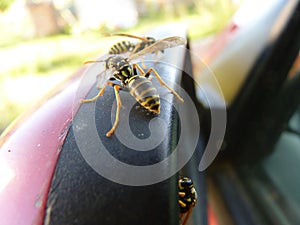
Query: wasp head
point(185, 183)
point(120, 67)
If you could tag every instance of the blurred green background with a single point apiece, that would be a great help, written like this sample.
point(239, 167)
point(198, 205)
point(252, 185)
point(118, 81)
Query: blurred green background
point(43, 42)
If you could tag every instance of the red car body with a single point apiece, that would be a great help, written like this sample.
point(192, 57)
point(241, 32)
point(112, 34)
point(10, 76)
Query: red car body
point(30, 148)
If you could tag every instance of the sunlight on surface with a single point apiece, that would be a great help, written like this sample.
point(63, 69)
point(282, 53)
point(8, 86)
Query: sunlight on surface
point(38, 52)
point(23, 89)
point(6, 174)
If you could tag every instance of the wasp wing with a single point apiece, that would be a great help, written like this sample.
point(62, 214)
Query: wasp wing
point(169, 42)
point(100, 65)
point(102, 78)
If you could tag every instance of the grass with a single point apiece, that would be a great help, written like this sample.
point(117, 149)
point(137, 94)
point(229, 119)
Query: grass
point(32, 67)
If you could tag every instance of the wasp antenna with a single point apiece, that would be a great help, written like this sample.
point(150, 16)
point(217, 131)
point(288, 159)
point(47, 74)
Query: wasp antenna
point(107, 35)
point(126, 35)
point(92, 61)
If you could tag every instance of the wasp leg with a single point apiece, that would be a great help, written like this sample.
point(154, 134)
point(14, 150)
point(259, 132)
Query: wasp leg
point(158, 57)
point(100, 92)
point(97, 96)
point(147, 74)
point(184, 217)
point(150, 78)
point(143, 64)
point(119, 105)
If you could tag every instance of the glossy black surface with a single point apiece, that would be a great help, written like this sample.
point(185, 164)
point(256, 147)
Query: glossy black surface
point(79, 195)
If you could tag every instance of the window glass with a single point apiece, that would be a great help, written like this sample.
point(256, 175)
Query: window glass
point(283, 165)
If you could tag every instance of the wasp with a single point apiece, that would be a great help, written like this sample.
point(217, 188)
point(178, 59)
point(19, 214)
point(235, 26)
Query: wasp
point(187, 198)
point(127, 46)
point(139, 85)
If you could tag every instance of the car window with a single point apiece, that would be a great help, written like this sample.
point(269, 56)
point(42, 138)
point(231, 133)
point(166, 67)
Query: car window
point(283, 165)
point(274, 183)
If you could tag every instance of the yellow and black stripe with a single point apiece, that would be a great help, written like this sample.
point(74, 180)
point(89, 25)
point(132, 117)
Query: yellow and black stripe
point(187, 194)
point(145, 93)
point(121, 47)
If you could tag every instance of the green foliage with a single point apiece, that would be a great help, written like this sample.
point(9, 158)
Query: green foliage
point(5, 4)
point(64, 53)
